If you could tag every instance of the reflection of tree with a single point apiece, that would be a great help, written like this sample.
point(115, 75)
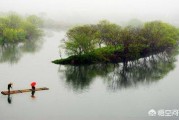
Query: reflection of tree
point(9, 53)
point(80, 77)
point(12, 53)
point(32, 46)
point(117, 76)
point(143, 71)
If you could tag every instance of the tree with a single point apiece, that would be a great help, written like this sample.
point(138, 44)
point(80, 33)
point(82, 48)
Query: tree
point(160, 35)
point(13, 21)
point(31, 30)
point(13, 35)
point(129, 42)
point(14, 28)
point(133, 41)
point(108, 33)
point(81, 40)
point(35, 20)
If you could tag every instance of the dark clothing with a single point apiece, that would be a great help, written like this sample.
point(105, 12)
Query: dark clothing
point(33, 91)
point(9, 87)
point(33, 88)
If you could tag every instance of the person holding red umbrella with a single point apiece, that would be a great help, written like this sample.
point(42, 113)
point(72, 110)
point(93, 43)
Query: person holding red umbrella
point(33, 88)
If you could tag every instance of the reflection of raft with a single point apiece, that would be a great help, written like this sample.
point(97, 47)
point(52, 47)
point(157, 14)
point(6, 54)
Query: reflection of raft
point(22, 91)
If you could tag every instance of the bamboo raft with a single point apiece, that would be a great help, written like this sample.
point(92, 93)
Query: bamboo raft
point(23, 91)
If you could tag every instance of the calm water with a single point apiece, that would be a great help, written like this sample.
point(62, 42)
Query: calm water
point(99, 92)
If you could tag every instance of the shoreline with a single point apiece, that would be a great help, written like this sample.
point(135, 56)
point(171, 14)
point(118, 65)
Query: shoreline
point(115, 56)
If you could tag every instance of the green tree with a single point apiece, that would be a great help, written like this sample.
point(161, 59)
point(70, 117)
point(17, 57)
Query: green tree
point(35, 20)
point(160, 35)
point(132, 41)
point(13, 20)
point(108, 33)
point(14, 28)
point(124, 44)
point(31, 30)
point(81, 40)
point(13, 35)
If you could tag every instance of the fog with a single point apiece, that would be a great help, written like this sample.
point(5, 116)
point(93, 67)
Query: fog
point(90, 11)
point(96, 92)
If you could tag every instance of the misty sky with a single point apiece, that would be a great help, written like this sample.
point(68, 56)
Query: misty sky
point(76, 11)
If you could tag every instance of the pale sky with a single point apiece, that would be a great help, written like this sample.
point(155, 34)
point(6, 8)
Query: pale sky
point(95, 10)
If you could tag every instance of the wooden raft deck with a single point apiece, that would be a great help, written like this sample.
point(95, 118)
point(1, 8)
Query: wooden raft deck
point(22, 91)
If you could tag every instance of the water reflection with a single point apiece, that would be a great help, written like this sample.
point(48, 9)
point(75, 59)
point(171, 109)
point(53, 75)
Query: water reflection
point(118, 76)
point(33, 94)
point(80, 77)
point(11, 53)
point(9, 99)
point(143, 71)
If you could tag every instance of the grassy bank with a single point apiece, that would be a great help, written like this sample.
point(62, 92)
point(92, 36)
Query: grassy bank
point(107, 55)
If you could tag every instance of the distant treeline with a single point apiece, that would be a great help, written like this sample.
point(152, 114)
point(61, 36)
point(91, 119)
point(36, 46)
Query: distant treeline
point(109, 42)
point(15, 28)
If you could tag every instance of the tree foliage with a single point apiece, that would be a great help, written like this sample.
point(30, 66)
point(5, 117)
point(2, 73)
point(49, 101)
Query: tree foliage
point(15, 28)
point(35, 20)
point(159, 34)
point(153, 35)
point(80, 40)
point(108, 33)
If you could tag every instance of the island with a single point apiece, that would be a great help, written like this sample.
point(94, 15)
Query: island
point(107, 42)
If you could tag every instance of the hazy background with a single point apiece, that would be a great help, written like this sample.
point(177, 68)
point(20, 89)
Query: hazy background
point(90, 11)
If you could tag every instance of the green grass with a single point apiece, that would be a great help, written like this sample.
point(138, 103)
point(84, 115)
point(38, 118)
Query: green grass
point(100, 55)
point(108, 55)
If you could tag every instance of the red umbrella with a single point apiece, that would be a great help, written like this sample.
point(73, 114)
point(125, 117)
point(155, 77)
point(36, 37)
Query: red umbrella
point(33, 84)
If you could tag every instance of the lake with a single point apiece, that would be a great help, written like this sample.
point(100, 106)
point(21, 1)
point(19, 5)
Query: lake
point(95, 92)
point(107, 92)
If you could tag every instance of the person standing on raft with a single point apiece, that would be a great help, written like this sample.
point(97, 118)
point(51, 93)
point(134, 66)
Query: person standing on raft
point(9, 87)
point(33, 88)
